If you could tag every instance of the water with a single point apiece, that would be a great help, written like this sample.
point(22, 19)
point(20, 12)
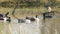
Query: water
point(20, 28)
point(49, 26)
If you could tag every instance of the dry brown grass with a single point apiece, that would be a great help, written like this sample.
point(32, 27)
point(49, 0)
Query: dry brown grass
point(24, 10)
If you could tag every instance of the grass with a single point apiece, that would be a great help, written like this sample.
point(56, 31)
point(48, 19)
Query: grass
point(21, 11)
point(25, 11)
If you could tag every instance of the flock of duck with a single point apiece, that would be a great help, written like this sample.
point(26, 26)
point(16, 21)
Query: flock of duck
point(27, 19)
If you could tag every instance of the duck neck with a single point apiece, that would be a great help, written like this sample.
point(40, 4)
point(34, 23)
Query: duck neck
point(36, 16)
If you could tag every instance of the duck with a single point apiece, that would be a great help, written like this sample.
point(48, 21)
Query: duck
point(33, 18)
point(7, 19)
point(27, 21)
point(37, 19)
point(24, 20)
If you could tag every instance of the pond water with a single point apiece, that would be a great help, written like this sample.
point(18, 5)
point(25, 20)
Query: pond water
point(49, 26)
